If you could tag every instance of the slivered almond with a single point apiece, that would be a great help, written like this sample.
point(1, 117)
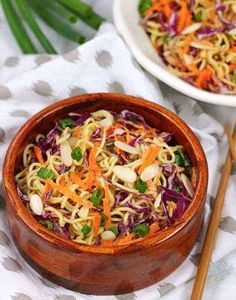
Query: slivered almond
point(108, 118)
point(106, 122)
point(201, 46)
point(188, 59)
point(65, 149)
point(157, 201)
point(125, 147)
point(124, 173)
point(36, 204)
point(108, 236)
point(83, 212)
point(232, 32)
point(191, 28)
point(187, 184)
point(149, 172)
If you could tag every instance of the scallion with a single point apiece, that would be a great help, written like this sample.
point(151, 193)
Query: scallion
point(115, 230)
point(76, 154)
point(47, 224)
point(144, 5)
point(96, 197)
point(86, 229)
point(141, 186)
point(110, 144)
point(67, 122)
point(45, 173)
point(78, 6)
point(141, 230)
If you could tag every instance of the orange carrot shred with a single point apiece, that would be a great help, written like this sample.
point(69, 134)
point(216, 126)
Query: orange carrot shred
point(76, 179)
point(149, 157)
point(76, 133)
point(38, 154)
point(92, 160)
point(66, 192)
point(96, 224)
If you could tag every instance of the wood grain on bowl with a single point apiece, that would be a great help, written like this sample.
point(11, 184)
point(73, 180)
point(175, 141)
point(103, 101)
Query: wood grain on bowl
point(95, 269)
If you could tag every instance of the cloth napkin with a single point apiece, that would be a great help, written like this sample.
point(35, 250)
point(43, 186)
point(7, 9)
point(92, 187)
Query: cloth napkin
point(29, 83)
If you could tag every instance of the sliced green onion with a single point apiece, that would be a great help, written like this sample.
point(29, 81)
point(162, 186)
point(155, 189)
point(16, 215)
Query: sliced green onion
point(45, 173)
point(141, 230)
point(60, 10)
point(29, 18)
point(67, 122)
point(56, 23)
point(110, 144)
point(141, 186)
point(17, 28)
point(76, 154)
point(115, 230)
point(176, 188)
point(144, 5)
point(47, 224)
point(103, 219)
point(96, 197)
point(78, 6)
point(182, 159)
point(86, 229)
point(198, 16)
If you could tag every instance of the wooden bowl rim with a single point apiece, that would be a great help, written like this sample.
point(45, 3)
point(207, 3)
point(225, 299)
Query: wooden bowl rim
point(44, 233)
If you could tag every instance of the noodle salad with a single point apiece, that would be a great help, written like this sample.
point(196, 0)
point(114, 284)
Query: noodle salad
point(196, 39)
point(105, 178)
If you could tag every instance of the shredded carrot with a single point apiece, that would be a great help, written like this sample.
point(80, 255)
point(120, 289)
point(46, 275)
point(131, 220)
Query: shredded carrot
point(66, 192)
point(38, 154)
point(107, 207)
point(76, 179)
point(107, 243)
point(153, 229)
point(46, 190)
point(96, 224)
point(185, 18)
point(149, 157)
point(126, 239)
point(62, 181)
point(76, 133)
point(232, 67)
point(92, 160)
point(89, 180)
point(203, 78)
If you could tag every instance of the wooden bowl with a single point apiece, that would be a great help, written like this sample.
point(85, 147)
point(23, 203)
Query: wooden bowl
point(101, 270)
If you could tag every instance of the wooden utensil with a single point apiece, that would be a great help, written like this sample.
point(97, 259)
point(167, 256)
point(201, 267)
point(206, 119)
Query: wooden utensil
point(212, 228)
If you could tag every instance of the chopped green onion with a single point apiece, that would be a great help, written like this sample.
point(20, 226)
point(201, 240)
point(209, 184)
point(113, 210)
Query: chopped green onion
point(67, 122)
point(17, 28)
point(29, 18)
point(94, 21)
point(96, 197)
point(181, 159)
point(103, 220)
point(141, 186)
point(115, 230)
point(45, 173)
point(110, 144)
point(78, 6)
point(86, 229)
point(56, 22)
point(144, 5)
point(141, 230)
point(76, 154)
point(60, 10)
point(176, 188)
point(47, 224)
point(198, 16)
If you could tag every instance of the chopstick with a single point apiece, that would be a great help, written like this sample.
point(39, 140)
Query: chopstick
point(231, 143)
point(213, 226)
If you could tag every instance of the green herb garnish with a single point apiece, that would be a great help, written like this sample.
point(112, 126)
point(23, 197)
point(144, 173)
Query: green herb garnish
point(144, 5)
point(115, 230)
point(141, 230)
point(176, 188)
point(47, 224)
point(110, 144)
point(86, 229)
point(96, 197)
point(103, 219)
point(181, 159)
point(141, 186)
point(67, 122)
point(198, 16)
point(76, 154)
point(45, 173)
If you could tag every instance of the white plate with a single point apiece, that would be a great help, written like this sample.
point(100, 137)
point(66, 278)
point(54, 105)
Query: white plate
point(127, 19)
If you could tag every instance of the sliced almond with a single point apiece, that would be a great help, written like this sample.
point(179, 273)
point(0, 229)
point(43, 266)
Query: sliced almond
point(188, 185)
point(106, 122)
point(83, 212)
point(72, 141)
point(188, 59)
point(234, 8)
point(108, 236)
point(191, 28)
point(232, 32)
point(65, 149)
point(125, 147)
point(201, 46)
point(36, 204)
point(157, 201)
point(149, 172)
point(125, 174)
point(118, 131)
point(107, 117)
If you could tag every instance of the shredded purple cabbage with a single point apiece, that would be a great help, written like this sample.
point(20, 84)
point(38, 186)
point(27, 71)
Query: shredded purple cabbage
point(117, 131)
point(135, 140)
point(80, 117)
point(168, 169)
point(23, 197)
point(143, 209)
point(209, 31)
point(120, 196)
point(97, 135)
point(131, 116)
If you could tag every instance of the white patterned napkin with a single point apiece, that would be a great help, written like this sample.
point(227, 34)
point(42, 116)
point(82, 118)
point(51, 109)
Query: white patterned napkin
point(29, 83)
